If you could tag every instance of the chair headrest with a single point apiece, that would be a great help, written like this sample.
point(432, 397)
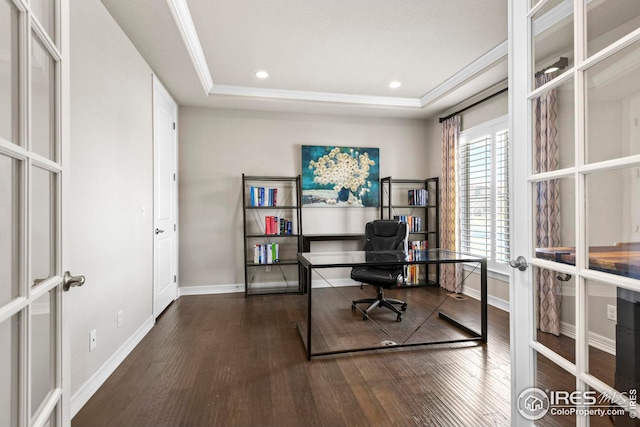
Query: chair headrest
point(385, 227)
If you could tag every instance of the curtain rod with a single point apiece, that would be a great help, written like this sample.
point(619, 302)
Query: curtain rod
point(442, 119)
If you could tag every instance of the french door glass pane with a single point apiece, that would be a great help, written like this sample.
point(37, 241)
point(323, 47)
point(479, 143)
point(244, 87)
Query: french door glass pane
point(613, 106)
point(42, 353)
point(613, 221)
point(602, 305)
point(554, 381)
point(8, 71)
point(609, 20)
point(45, 12)
point(613, 321)
point(42, 100)
point(554, 216)
point(42, 220)
point(10, 173)
point(9, 372)
point(553, 129)
point(554, 305)
point(552, 36)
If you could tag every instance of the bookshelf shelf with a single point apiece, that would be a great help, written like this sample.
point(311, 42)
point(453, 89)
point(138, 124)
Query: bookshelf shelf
point(394, 198)
point(272, 224)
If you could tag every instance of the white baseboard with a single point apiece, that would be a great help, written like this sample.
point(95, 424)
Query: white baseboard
point(600, 342)
point(229, 289)
point(210, 289)
point(491, 300)
point(84, 393)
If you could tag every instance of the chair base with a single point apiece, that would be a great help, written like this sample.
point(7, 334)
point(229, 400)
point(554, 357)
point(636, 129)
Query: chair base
point(381, 301)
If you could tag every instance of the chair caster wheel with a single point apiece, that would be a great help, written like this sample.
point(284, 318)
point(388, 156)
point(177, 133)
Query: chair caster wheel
point(403, 307)
point(365, 317)
point(353, 307)
point(399, 318)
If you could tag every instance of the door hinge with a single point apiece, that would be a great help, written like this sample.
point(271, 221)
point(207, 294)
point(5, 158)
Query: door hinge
point(174, 176)
point(175, 279)
point(175, 227)
point(174, 125)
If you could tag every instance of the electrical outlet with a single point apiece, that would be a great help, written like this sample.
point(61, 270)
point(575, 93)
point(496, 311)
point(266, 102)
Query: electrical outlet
point(268, 269)
point(92, 340)
point(612, 312)
point(119, 318)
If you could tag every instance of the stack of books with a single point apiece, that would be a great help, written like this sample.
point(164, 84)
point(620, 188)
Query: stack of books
point(261, 196)
point(275, 225)
point(267, 253)
point(418, 197)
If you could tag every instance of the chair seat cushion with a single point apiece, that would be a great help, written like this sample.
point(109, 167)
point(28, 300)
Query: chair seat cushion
point(378, 277)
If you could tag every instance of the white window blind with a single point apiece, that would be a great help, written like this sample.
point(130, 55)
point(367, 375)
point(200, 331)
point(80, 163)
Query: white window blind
point(483, 211)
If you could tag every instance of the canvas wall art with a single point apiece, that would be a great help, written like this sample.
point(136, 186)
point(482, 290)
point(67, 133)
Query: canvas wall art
point(340, 176)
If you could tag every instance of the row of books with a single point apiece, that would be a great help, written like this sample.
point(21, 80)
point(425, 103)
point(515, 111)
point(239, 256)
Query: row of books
point(413, 274)
point(261, 196)
point(413, 222)
point(417, 249)
point(276, 225)
point(266, 253)
point(418, 197)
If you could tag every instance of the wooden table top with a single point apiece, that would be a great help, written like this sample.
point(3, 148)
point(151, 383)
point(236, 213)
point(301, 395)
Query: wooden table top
point(621, 259)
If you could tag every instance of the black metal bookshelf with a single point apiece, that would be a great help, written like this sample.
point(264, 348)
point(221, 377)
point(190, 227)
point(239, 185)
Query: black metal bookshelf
point(281, 275)
point(394, 201)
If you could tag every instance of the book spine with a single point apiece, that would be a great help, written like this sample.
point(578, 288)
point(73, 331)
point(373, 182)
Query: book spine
point(275, 197)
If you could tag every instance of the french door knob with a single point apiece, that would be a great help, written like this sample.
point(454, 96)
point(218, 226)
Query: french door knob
point(68, 281)
point(158, 231)
point(520, 263)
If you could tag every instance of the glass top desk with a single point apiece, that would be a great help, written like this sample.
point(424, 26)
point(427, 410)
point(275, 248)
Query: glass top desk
point(330, 328)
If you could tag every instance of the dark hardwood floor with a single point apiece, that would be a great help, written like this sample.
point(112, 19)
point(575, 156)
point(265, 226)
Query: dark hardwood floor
point(224, 360)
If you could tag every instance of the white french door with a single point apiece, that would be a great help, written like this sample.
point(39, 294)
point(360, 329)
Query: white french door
point(575, 318)
point(32, 46)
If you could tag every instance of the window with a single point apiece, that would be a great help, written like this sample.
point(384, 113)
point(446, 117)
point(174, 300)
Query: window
point(484, 192)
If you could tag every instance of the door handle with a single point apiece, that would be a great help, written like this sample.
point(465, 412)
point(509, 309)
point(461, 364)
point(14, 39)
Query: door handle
point(520, 263)
point(68, 281)
point(158, 231)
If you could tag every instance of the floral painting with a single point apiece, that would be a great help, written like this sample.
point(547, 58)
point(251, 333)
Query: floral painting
point(340, 176)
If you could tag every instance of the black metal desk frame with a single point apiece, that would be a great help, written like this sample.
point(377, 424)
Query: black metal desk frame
point(432, 257)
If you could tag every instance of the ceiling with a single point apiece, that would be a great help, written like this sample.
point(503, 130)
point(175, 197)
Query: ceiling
point(328, 56)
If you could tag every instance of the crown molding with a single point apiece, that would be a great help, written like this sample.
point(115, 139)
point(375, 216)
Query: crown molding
point(184, 22)
point(315, 96)
point(480, 64)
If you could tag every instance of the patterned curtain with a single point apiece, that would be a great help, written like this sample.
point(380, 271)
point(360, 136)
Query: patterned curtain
point(450, 274)
point(548, 207)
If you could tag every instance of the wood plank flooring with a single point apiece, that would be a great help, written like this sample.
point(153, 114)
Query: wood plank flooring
point(225, 360)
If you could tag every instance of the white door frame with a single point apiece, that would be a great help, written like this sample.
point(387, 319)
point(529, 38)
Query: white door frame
point(165, 265)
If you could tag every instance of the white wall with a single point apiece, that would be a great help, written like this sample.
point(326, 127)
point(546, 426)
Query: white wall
point(111, 169)
point(217, 146)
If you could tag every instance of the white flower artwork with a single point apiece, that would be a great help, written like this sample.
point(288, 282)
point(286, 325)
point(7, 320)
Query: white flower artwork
point(340, 176)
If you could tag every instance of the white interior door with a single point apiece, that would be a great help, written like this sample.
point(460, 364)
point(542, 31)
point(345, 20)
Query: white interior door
point(32, 96)
point(165, 205)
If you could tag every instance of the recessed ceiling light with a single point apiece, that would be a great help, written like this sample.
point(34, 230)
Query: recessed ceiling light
point(262, 74)
point(395, 84)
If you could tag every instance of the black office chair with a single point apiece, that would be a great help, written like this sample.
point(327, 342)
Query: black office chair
point(383, 235)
